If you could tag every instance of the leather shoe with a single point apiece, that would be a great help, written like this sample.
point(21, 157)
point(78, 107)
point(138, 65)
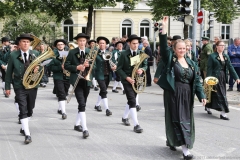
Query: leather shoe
point(138, 108)
point(115, 91)
point(230, 89)
point(208, 111)
point(19, 121)
point(28, 139)
point(59, 112)
point(95, 89)
point(108, 112)
point(190, 156)
point(85, 134)
point(78, 128)
point(137, 129)
point(98, 108)
point(125, 122)
point(224, 118)
point(171, 147)
point(148, 85)
point(238, 89)
point(64, 116)
point(124, 92)
point(22, 132)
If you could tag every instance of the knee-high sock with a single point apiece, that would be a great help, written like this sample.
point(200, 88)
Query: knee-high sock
point(3, 85)
point(223, 114)
point(120, 83)
point(99, 101)
point(62, 105)
point(17, 107)
point(78, 119)
point(25, 126)
point(185, 150)
point(105, 102)
point(133, 113)
point(126, 112)
point(94, 82)
point(137, 103)
point(83, 120)
point(115, 85)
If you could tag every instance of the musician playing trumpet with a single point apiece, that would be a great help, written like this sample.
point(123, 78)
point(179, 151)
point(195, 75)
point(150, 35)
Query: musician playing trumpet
point(77, 63)
point(60, 77)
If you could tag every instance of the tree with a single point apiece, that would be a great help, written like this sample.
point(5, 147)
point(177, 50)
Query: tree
point(38, 24)
point(225, 10)
point(62, 9)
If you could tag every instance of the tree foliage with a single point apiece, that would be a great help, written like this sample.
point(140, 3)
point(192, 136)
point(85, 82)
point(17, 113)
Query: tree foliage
point(39, 24)
point(225, 10)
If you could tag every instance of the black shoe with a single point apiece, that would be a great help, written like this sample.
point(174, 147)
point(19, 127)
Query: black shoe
point(137, 129)
point(19, 121)
point(108, 112)
point(124, 92)
point(209, 112)
point(171, 147)
point(115, 91)
point(230, 89)
point(59, 111)
point(98, 108)
point(78, 128)
point(22, 132)
point(190, 156)
point(64, 116)
point(148, 85)
point(138, 108)
point(238, 89)
point(91, 86)
point(95, 88)
point(28, 139)
point(125, 122)
point(224, 118)
point(85, 134)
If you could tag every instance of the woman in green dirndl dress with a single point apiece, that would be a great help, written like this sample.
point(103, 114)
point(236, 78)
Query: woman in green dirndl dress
point(180, 82)
point(218, 66)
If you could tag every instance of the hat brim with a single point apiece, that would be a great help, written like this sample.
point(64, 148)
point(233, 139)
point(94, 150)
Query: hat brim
point(82, 36)
point(103, 38)
point(29, 38)
point(60, 40)
point(91, 41)
point(130, 39)
point(118, 43)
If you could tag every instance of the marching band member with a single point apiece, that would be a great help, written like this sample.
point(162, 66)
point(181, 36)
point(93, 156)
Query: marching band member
point(180, 82)
point(17, 65)
point(75, 63)
point(103, 74)
point(219, 65)
point(91, 44)
point(60, 77)
point(115, 56)
point(124, 69)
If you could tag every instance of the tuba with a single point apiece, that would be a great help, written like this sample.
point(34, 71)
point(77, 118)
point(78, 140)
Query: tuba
point(31, 79)
point(72, 45)
point(209, 83)
point(36, 41)
point(140, 80)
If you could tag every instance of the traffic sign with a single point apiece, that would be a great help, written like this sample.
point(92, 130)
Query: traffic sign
point(200, 17)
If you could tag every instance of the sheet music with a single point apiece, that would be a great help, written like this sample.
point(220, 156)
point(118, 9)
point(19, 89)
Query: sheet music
point(63, 53)
point(135, 60)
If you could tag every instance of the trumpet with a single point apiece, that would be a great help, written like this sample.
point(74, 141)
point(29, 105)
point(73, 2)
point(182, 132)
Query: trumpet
point(66, 72)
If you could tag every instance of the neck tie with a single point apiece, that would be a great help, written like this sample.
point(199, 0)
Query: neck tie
point(134, 53)
point(25, 57)
point(82, 54)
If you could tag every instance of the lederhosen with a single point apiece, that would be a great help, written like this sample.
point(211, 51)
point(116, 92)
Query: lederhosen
point(82, 89)
point(26, 97)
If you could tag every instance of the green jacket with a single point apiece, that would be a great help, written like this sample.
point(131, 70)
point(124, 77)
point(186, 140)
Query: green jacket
point(4, 55)
point(124, 68)
point(72, 62)
point(15, 69)
point(99, 67)
point(166, 80)
point(214, 66)
point(56, 67)
point(207, 49)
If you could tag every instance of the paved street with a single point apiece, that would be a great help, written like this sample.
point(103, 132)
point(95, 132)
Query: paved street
point(54, 138)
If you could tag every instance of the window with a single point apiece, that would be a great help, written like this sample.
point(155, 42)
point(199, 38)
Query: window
point(207, 33)
point(126, 28)
point(225, 32)
point(144, 28)
point(68, 29)
point(84, 30)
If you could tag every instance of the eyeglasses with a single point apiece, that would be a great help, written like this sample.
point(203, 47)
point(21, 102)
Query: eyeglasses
point(60, 44)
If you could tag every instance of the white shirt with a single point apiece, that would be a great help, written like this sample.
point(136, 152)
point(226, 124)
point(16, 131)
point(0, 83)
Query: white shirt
point(133, 51)
point(81, 51)
point(23, 55)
